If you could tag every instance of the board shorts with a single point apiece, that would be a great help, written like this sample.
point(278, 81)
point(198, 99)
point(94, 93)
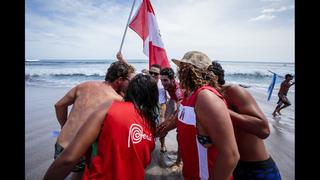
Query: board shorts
point(283, 99)
point(79, 167)
point(256, 170)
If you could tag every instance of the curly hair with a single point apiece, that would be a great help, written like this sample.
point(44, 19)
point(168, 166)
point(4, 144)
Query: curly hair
point(192, 78)
point(119, 69)
point(143, 93)
point(217, 69)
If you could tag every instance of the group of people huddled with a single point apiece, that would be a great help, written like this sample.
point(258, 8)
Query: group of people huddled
point(110, 130)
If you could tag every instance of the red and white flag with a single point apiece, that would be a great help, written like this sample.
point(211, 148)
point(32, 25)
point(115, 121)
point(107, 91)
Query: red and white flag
point(144, 23)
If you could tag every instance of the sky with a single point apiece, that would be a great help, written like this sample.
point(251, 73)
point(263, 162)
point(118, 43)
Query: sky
point(226, 30)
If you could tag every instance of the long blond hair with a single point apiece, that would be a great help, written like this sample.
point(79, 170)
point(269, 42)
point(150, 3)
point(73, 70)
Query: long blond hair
point(191, 78)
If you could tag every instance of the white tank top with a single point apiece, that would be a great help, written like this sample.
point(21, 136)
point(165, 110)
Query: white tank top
point(162, 93)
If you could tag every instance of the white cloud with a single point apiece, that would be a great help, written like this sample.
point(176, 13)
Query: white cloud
point(281, 9)
point(263, 17)
point(81, 29)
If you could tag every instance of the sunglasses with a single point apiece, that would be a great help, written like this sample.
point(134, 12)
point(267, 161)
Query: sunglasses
point(153, 73)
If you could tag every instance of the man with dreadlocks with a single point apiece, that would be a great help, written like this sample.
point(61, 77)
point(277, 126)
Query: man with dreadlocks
point(205, 133)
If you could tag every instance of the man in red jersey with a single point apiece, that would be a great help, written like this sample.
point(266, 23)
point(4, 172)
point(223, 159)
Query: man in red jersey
point(206, 137)
point(176, 95)
point(124, 132)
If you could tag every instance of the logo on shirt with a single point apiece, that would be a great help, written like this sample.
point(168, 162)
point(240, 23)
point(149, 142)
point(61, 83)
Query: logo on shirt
point(181, 116)
point(136, 134)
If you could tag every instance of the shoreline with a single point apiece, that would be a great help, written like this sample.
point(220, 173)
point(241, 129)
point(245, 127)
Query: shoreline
point(40, 121)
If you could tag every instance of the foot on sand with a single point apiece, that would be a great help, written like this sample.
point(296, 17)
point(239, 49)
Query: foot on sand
point(164, 160)
point(177, 166)
point(274, 114)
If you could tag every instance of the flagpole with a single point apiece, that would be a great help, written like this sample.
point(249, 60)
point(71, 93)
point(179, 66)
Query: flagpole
point(274, 73)
point(125, 31)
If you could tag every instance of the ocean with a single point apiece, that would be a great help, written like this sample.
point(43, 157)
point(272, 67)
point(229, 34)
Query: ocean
point(68, 73)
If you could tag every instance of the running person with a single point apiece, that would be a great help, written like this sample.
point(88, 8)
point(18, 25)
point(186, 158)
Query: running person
point(282, 94)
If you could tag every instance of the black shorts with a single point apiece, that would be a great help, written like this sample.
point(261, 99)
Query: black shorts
point(283, 99)
point(262, 170)
point(79, 167)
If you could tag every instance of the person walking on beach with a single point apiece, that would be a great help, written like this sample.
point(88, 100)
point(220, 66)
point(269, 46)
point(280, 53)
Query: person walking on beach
point(176, 95)
point(124, 132)
point(205, 133)
point(251, 127)
point(85, 98)
point(283, 101)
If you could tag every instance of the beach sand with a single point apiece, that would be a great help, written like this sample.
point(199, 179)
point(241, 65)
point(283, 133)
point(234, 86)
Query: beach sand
point(40, 122)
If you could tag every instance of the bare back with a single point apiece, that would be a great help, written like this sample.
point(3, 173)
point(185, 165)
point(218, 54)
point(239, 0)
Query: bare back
point(89, 96)
point(251, 147)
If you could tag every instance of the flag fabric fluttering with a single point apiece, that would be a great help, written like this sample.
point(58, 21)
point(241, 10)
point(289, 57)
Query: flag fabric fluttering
point(271, 86)
point(144, 23)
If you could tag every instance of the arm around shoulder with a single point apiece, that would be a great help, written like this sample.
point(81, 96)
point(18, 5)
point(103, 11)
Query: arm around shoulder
point(245, 112)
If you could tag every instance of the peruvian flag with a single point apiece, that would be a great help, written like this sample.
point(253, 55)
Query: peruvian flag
point(144, 23)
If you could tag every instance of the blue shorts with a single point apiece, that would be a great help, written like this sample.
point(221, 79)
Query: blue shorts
point(256, 170)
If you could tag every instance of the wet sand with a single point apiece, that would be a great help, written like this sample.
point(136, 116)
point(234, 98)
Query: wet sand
point(40, 121)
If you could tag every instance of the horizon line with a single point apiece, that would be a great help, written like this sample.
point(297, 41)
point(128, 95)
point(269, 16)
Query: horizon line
point(100, 59)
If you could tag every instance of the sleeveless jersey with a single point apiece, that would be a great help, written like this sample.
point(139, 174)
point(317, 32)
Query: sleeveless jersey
point(124, 147)
point(197, 160)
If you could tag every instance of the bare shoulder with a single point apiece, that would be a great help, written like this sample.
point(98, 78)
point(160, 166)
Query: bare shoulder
point(236, 90)
point(208, 97)
point(209, 105)
point(105, 105)
point(117, 97)
point(89, 84)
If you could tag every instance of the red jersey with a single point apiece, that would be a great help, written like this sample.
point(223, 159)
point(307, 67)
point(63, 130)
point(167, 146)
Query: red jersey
point(197, 160)
point(176, 93)
point(124, 146)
